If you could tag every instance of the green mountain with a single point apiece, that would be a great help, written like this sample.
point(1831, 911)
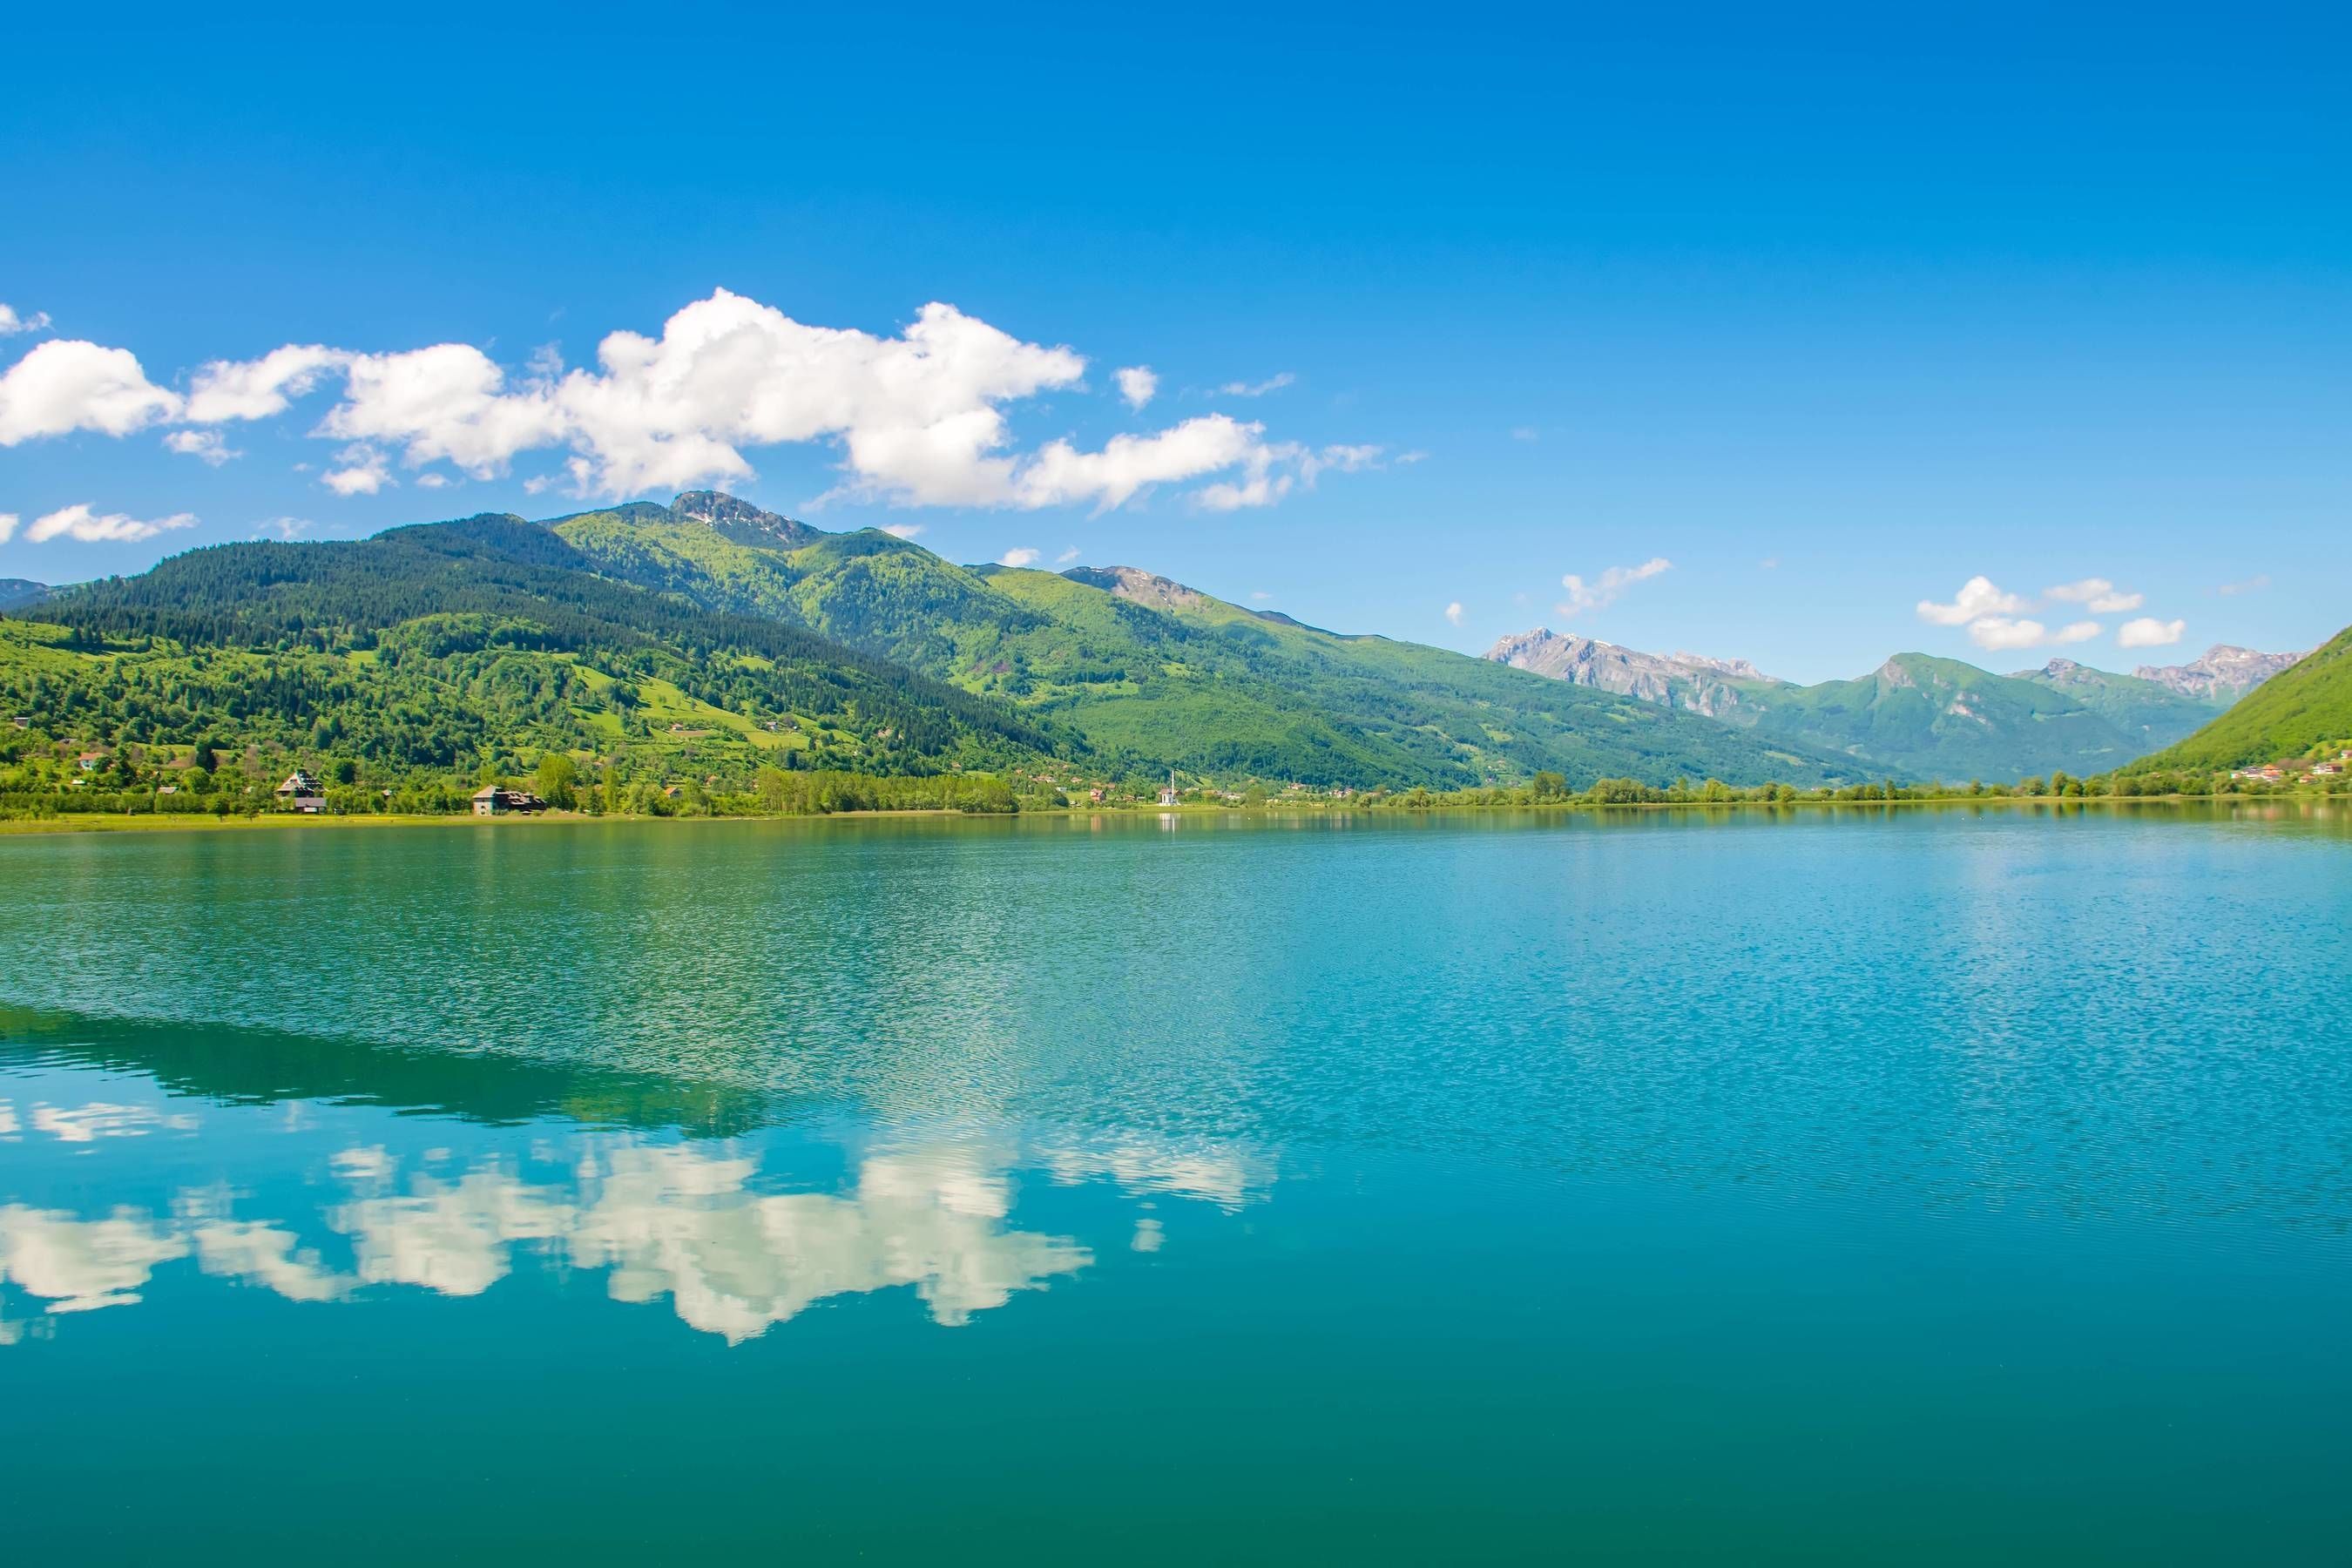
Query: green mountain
point(2291, 714)
point(1153, 674)
point(450, 645)
point(1917, 717)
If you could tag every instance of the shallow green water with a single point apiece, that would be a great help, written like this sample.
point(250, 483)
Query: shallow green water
point(1915, 1186)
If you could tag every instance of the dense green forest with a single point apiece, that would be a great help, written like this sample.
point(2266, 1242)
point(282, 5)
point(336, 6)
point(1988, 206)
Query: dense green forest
point(405, 667)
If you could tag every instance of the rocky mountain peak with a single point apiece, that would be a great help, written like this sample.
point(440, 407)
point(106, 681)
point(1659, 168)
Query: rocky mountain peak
point(1676, 679)
point(739, 520)
point(2224, 672)
point(1134, 582)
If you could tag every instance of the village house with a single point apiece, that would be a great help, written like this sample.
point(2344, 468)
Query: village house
point(492, 800)
point(22, 720)
point(89, 760)
point(302, 792)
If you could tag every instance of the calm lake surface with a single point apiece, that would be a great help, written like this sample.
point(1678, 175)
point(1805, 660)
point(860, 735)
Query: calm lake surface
point(1923, 1186)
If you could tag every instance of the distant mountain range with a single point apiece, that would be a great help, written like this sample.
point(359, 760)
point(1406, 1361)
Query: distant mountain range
point(1920, 716)
point(708, 635)
point(2223, 675)
point(2299, 711)
point(711, 634)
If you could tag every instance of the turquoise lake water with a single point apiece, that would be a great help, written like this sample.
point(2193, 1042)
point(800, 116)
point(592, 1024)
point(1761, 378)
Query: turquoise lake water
point(1919, 1186)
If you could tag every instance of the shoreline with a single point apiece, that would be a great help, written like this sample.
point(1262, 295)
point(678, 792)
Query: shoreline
point(280, 822)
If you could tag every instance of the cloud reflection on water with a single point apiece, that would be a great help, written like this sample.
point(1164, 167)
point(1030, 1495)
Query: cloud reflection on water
point(927, 1211)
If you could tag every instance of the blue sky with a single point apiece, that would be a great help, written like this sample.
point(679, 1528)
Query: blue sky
point(1833, 309)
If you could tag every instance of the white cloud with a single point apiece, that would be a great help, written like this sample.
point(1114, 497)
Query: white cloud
point(78, 521)
point(2076, 631)
point(919, 419)
point(1999, 631)
point(8, 521)
point(902, 530)
point(2096, 593)
point(1454, 612)
point(1269, 473)
point(258, 388)
point(67, 385)
point(1525, 433)
point(1066, 556)
point(450, 402)
point(12, 324)
point(288, 528)
point(1415, 456)
point(2149, 632)
point(1261, 596)
point(203, 444)
point(429, 480)
point(363, 473)
point(2253, 584)
point(1023, 556)
point(1136, 384)
point(1584, 596)
point(1255, 388)
point(1977, 597)
point(1059, 474)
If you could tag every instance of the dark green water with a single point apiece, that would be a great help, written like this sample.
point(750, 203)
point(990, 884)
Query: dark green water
point(1922, 1187)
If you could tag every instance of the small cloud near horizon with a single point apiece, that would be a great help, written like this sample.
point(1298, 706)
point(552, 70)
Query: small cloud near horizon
point(2253, 584)
point(902, 530)
point(1021, 555)
point(2149, 632)
point(1606, 589)
point(1454, 612)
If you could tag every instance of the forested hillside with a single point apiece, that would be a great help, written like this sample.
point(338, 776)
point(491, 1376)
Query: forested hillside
point(2306, 707)
point(463, 648)
point(1154, 674)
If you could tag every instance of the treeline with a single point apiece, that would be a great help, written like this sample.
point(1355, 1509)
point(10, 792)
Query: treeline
point(1552, 789)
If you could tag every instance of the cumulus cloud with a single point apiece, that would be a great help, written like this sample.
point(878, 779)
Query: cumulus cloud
point(288, 528)
point(8, 521)
point(1022, 557)
point(2001, 632)
point(11, 323)
point(449, 401)
point(1605, 590)
point(67, 385)
point(258, 388)
point(429, 480)
point(919, 419)
point(80, 522)
point(205, 445)
point(902, 530)
point(363, 473)
point(1977, 597)
point(2097, 594)
point(1255, 388)
point(2149, 632)
point(1136, 384)
point(1454, 612)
